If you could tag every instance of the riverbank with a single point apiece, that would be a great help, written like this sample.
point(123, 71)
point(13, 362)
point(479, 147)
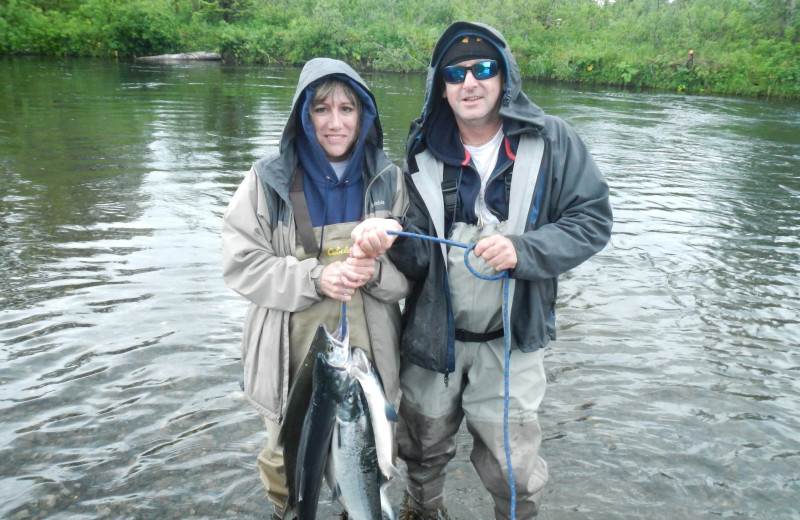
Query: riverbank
point(738, 47)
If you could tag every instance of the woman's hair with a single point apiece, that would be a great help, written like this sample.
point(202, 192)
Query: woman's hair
point(329, 86)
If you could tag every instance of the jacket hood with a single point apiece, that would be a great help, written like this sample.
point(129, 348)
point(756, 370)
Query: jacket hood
point(519, 114)
point(331, 199)
point(316, 70)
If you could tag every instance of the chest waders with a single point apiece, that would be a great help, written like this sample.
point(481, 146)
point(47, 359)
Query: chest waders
point(328, 244)
point(506, 330)
point(477, 306)
point(303, 324)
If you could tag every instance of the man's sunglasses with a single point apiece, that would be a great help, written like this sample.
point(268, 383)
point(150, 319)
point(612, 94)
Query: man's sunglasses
point(456, 74)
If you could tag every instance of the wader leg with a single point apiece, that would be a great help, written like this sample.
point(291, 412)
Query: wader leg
point(271, 469)
point(426, 445)
point(530, 471)
point(484, 402)
point(430, 414)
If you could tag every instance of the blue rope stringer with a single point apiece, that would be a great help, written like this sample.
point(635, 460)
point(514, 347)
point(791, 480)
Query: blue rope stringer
point(343, 323)
point(506, 337)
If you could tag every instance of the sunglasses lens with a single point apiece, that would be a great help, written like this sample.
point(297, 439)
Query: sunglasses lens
point(485, 69)
point(455, 74)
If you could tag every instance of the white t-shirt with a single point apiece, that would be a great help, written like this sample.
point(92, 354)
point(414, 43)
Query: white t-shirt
point(485, 158)
point(340, 167)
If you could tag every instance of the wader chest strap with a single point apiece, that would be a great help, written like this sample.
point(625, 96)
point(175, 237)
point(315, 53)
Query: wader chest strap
point(450, 189)
point(478, 337)
point(302, 217)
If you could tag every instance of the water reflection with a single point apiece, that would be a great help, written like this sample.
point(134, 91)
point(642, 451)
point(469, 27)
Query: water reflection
point(674, 383)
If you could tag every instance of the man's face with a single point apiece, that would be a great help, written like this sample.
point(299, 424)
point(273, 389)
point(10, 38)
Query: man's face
point(475, 102)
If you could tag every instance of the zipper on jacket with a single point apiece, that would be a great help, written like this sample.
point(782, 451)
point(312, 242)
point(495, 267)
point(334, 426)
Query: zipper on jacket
point(494, 178)
point(368, 187)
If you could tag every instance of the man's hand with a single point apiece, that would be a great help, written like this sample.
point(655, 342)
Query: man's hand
point(370, 238)
point(497, 251)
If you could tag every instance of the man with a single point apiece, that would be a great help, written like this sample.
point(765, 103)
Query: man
point(486, 166)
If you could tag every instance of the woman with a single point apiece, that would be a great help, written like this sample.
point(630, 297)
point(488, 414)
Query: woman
point(295, 265)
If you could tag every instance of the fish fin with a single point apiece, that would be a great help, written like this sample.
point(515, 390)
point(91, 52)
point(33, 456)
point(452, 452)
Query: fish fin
point(336, 492)
point(391, 413)
point(360, 360)
point(329, 469)
point(386, 505)
point(394, 473)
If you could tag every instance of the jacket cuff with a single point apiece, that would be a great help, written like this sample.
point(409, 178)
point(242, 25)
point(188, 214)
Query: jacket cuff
point(316, 277)
point(376, 276)
point(404, 222)
point(400, 219)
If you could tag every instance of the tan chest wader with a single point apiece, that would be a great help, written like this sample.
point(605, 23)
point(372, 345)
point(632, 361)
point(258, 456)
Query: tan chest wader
point(303, 325)
point(334, 246)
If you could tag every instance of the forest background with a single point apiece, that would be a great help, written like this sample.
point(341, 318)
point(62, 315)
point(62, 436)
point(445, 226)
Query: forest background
point(740, 47)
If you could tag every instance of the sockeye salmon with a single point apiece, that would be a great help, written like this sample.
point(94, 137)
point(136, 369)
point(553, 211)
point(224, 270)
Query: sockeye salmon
point(338, 424)
point(298, 403)
point(362, 445)
point(381, 411)
point(353, 473)
point(330, 382)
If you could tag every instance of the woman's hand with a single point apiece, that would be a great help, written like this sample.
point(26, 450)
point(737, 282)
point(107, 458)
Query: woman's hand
point(340, 280)
point(370, 238)
point(332, 285)
point(358, 271)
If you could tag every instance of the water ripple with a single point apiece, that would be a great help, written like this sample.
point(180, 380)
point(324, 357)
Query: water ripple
point(673, 385)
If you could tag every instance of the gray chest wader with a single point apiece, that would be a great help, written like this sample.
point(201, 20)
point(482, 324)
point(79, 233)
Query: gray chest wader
point(477, 303)
point(432, 411)
point(335, 246)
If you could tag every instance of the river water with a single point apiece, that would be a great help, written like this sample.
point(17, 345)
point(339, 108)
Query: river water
point(674, 385)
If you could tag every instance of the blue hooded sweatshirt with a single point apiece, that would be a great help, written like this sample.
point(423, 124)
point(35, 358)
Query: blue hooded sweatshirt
point(332, 200)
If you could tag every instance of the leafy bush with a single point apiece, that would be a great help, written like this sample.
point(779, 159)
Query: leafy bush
point(142, 28)
point(741, 47)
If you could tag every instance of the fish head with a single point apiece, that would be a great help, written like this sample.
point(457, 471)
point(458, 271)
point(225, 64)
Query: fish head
point(337, 348)
point(353, 404)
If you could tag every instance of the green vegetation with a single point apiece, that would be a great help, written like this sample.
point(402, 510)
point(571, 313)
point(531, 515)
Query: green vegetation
point(741, 47)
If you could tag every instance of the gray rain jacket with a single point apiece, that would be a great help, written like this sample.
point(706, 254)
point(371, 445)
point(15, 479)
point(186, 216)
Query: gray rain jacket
point(565, 220)
point(258, 247)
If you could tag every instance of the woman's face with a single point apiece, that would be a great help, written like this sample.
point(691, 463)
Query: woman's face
point(335, 121)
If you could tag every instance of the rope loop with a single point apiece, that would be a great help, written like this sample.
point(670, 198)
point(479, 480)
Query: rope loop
point(501, 274)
